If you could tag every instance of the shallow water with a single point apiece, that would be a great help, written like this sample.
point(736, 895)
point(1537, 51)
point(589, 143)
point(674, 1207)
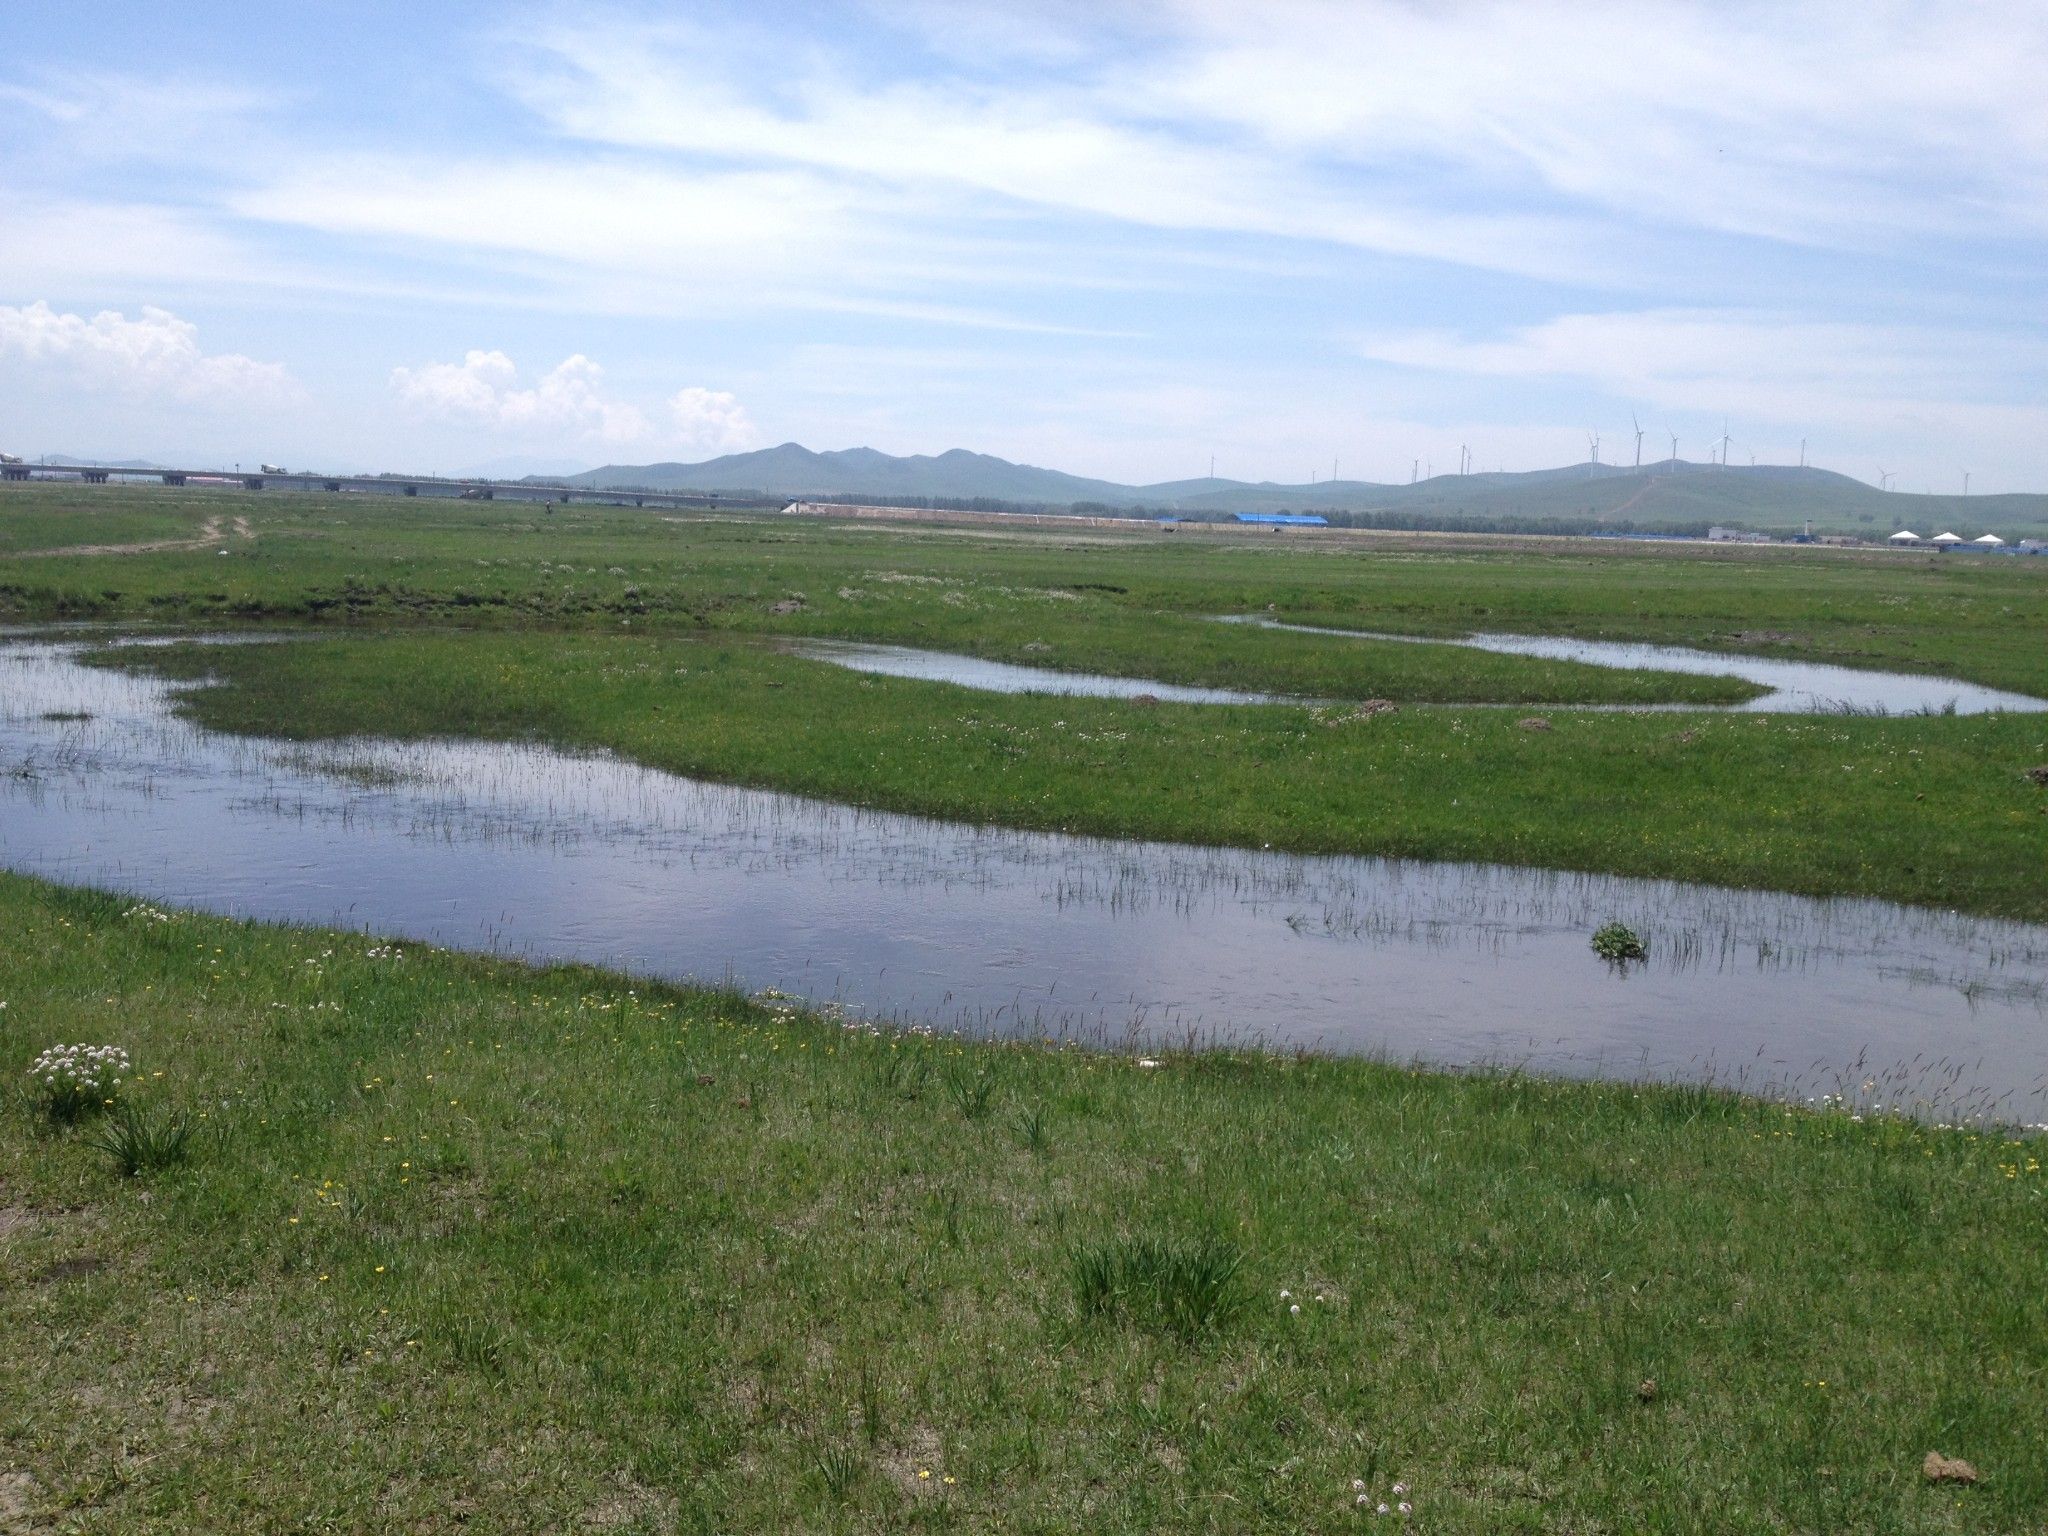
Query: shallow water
point(1006, 677)
point(547, 854)
point(1796, 687)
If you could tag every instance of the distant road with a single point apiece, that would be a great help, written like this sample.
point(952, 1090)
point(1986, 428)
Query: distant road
point(375, 485)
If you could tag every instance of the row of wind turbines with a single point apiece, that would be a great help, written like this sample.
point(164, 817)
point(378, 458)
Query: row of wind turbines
point(1717, 447)
point(1717, 453)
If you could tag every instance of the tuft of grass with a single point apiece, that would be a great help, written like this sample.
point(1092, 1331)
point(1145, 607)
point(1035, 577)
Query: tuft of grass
point(480, 1344)
point(141, 1140)
point(972, 1090)
point(840, 1470)
point(1186, 1286)
point(1034, 1127)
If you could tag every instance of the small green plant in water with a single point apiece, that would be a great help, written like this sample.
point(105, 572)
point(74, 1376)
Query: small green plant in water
point(1618, 943)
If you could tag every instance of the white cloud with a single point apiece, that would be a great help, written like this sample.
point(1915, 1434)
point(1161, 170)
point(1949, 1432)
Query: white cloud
point(712, 420)
point(569, 403)
point(154, 354)
point(483, 388)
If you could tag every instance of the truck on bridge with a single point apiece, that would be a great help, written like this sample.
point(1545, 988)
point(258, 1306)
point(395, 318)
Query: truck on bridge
point(10, 458)
point(272, 469)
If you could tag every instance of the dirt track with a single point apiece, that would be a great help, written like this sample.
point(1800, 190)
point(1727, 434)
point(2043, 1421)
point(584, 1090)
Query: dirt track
point(211, 532)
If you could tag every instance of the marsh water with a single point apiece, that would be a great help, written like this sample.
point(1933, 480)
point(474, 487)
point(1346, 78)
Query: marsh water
point(552, 855)
point(1794, 687)
point(1008, 677)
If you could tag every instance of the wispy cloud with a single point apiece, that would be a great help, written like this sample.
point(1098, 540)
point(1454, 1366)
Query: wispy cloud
point(1957, 392)
point(1762, 363)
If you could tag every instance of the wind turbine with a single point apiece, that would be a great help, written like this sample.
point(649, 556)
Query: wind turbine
point(1966, 482)
point(1884, 479)
point(1674, 446)
point(1592, 448)
point(1639, 441)
point(1802, 453)
point(1725, 440)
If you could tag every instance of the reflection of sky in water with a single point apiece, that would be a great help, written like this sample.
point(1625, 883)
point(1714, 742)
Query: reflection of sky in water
point(1797, 687)
point(553, 855)
point(1006, 677)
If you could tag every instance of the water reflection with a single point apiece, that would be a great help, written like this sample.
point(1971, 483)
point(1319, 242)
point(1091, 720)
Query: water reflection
point(1795, 687)
point(556, 855)
point(1007, 677)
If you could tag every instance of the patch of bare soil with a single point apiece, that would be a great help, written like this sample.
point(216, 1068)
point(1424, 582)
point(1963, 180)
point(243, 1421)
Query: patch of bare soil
point(18, 1504)
point(211, 532)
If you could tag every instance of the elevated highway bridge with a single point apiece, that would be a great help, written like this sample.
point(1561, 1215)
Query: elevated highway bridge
point(443, 486)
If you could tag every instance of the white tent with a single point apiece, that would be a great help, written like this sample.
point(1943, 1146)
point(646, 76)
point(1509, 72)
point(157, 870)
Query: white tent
point(1904, 536)
point(1946, 538)
point(1988, 540)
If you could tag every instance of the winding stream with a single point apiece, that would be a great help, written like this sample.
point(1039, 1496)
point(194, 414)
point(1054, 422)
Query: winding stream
point(1795, 687)
point(553, 855)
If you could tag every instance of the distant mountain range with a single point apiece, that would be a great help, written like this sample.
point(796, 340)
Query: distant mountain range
point(1669, 495)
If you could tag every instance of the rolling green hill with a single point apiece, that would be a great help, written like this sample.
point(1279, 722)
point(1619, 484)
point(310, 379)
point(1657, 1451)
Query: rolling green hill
point(1668, 496)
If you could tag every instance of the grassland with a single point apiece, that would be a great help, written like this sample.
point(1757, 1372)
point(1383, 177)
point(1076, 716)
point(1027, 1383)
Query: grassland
point(1135, 604)
point(504, 621)
point(461, 1245)
point(1928, 810)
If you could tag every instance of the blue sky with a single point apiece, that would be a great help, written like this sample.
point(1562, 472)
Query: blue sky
point(1114, 239)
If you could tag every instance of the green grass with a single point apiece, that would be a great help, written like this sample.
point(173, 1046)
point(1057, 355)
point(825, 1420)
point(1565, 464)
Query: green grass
point(1934, 811)
point(463, 1245)
point(1135, 604)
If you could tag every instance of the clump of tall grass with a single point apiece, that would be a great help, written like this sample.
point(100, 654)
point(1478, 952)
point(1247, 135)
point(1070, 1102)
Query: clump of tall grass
point(142, 1141)
point(972, 1092)
point(1183, 1286)
point(1034, 1127)
point(72, 1081)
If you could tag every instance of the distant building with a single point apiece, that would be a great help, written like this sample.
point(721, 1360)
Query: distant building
point(1903, 537)
point(1737, 536)
point(1283, 519)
